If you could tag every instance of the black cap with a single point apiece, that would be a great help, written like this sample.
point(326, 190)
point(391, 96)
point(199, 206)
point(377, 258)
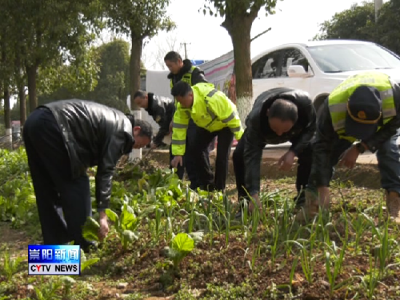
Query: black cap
point(364, 112)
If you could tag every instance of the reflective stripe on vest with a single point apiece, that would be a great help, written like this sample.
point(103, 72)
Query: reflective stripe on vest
point(339, 97)
point(209, 111)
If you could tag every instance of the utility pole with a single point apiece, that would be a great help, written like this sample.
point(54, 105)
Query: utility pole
point(184, 45)
point(378, 5)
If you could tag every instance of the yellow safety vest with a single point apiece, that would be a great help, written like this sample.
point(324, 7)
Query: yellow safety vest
point(337, 100)
point(187, 77)
point(211, 110)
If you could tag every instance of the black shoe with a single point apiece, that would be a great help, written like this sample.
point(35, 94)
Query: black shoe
point(238, 215)
point(300, 200)
point(193, 187)
point(209, 188)
point(89, 247)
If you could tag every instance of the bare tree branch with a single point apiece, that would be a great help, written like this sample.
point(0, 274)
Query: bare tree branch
point(154, 52)
point(260, 34)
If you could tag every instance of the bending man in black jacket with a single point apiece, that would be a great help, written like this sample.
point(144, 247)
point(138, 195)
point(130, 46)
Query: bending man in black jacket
point(62, 140)
point(162, 111)
point(183, 70)
point(278, 116)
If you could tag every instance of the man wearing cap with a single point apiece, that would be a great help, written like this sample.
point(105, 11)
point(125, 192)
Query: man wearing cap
point(363, 108)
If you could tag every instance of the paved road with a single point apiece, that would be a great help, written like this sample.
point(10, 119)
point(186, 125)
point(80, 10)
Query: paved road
point(276, 151)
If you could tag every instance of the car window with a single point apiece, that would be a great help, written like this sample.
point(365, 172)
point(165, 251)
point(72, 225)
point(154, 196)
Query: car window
point(267, 66)
point(293, 56)
point(353, 57)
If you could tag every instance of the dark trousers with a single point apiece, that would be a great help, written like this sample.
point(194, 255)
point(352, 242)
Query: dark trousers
point(303, 170)
point(188, 160)
point(339, 147)
point(304, 164)
point(199, 154)
point(63, 203)
point(180, 169)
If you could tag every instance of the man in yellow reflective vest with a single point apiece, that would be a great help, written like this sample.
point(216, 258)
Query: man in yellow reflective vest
point(365, 108)
point(183, 70)
point(215, 115)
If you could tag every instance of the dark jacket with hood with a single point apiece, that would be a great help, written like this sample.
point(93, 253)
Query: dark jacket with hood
point(258, 133)
point(326, 137)
point(162, 111)
point(94, 135)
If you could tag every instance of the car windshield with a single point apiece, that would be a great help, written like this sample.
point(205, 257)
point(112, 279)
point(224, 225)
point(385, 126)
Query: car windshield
point(353, 57)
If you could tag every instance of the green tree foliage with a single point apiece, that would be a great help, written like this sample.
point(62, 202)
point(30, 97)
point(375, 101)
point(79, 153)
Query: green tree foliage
point(112, 88)
point(140, 19)
point(239, 17)
point(38, 31)
point(77, 77)
point(109, 61)
point(6, 65)
point(12, 69)
point(388, 26)
point(358, 23)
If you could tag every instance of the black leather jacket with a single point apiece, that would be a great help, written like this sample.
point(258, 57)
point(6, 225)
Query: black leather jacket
point(256, 137)
point(94, 134)
point(326, 136)
point(162, 111)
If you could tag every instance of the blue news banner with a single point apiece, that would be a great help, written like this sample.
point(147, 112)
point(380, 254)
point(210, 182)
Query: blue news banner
point(54, 259)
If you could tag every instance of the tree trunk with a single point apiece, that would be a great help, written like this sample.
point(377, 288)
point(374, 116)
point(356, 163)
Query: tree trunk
point(31, 72)
point(7, 117)
point(20, 80)
point(22, 103)
point(4, 76)
point(7, 109)
point(240, 35)
point(136, 54)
